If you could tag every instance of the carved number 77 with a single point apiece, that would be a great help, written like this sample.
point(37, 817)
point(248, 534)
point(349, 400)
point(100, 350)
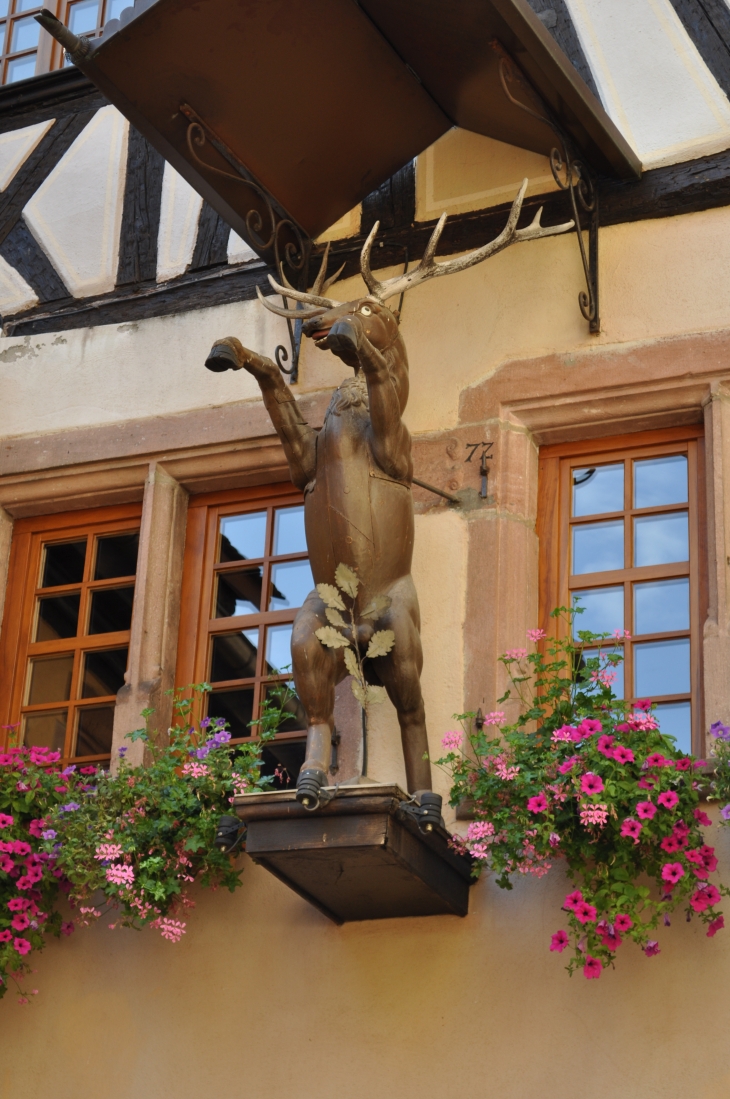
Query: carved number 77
point(474, 447)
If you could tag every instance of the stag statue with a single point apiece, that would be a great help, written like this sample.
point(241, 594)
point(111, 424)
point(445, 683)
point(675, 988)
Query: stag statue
point(355, 473)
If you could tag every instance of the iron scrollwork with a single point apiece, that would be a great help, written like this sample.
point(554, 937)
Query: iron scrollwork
point(271, 233)
point(571, 175)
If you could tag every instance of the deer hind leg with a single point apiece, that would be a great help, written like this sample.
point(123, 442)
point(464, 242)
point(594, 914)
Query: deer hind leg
point(400, 674)
point(317, 670)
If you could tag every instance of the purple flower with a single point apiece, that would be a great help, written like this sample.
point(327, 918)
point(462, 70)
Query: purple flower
point(205, 723)
point(70, 808)
point(201, 753)
point(220, 721)
point(49, 834)
point(725, 812)
point(122, 751)
point(722, 732)
point(69, 770)
point(221, 737)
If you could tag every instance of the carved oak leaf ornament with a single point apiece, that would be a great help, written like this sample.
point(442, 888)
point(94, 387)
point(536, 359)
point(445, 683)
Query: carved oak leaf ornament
point(377, 607)
point(347, 580)
point(335, 618)
point(381, 643)
point(330, 596)
point(332, 638)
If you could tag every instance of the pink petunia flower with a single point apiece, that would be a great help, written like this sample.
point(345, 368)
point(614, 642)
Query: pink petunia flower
point(573, 900)
point(646, 783)
point(623, 922)
point(669, 799)
point(631, 829)
point(592, 968)
point(18, 904)
point(682, 764)
point(709, 858)
point(672, 872)
point(22, 946)
point(611, 940)
point(706, 897)
point(585, 913)
point(589, 726)
point(6, 864)
point(537, 804)
point(622, 754)
point(20, 847)
point(656, 759)
point(702, 818)
point(6, 821)
point(67, 928)
point(671, 845)
point(643, 704)
point(559, 941)
point(5, 936)
point(681, 830)
point(605, 745)
point(715, 926)
point(645, 810)
point(19, 921)
point(565, 733)
point(568, 765)
point(591, 783)
point(652, 948)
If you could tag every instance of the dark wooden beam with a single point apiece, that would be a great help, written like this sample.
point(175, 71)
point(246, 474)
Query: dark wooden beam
point(556, 17)
point(211, 244)
point(141, 212)
point(23, 252)
point(710, 35)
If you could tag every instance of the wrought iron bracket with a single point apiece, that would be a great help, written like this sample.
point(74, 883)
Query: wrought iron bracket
point(270, 231)
point(571, 175)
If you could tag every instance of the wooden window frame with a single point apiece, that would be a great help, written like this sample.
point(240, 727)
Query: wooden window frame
point(23, 588)
point(554, 523)
point(199, 571)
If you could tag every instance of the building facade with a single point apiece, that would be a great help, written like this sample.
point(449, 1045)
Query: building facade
point(134, 484)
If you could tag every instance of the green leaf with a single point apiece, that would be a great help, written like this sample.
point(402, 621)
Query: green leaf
point(330, 596)
point(347, 580)
point(381, 643)
point(331, 638)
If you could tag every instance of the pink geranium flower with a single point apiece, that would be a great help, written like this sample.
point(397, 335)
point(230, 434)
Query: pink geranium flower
point(652, 948)
point(566, 733)
point(668, 799)
point(623, 922)
point(645, 810)
point(573, 900)
point(537, 804)
point(702, 818)
point(536, 635)
point(559, 941)
point(591, 783)
point(585, 913)
point(672, 872)
point(715, 926)
point(622, 754)
point(452, 741)
point(631, 829)
point(592, 968)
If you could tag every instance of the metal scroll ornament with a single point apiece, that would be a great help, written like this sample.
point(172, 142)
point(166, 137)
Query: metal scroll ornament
point(571, 175)
point(269, 230)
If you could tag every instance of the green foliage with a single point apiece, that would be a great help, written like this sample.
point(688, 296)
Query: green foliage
point(126, 844)
point(348, 635)
point(585, 777)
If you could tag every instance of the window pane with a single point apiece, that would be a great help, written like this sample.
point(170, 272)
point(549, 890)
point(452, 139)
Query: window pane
point(598, 547)
point(283, 760)
point(238, 592)
point(50, 679)
point(293, 706)
point(115, 8)
point(58, 616)
point(233, 656)
point(289, 534)
point(22, 68)
point(25, 5)
point(45, 730)
point(104, 672)
point(116, 556)
point(661, 668)
point(25, 35)
point(603, 610)
point(63, 564)
point(94, 730)
point(2, 37)
point(661, 539)
point(675, 719)
point(660, 481)
point(84, 17)
point(4, 5)
point(617, 685)
point(243, 537)
point(291, 583)
point(111, 610)
point(598, 489)
point(236, 707)
point(661, 605)
point(278, 649)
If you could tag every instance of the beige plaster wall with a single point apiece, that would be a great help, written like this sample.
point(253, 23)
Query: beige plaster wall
point(265, 999)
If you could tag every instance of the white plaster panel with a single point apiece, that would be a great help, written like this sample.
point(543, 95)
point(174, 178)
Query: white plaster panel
point(238, 250)
point(181, 206)
point(15, 294)
point(76, 214)
point(16, 146)
point(652, 79)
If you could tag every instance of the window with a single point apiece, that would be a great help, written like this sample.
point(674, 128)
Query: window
point(246, 574)
point(66, 631)
point(26, 51)
point(620, 530)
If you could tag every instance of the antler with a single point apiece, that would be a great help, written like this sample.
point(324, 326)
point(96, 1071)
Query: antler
point(315, 299)
point(429, 269)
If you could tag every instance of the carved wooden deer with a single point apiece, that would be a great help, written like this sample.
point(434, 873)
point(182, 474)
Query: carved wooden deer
point(356, 477)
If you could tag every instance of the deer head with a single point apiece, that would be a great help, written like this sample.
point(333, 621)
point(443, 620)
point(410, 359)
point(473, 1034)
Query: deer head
point(340, 326)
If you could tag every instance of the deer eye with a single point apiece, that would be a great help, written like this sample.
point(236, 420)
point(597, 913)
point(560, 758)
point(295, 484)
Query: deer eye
point(365, 310)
